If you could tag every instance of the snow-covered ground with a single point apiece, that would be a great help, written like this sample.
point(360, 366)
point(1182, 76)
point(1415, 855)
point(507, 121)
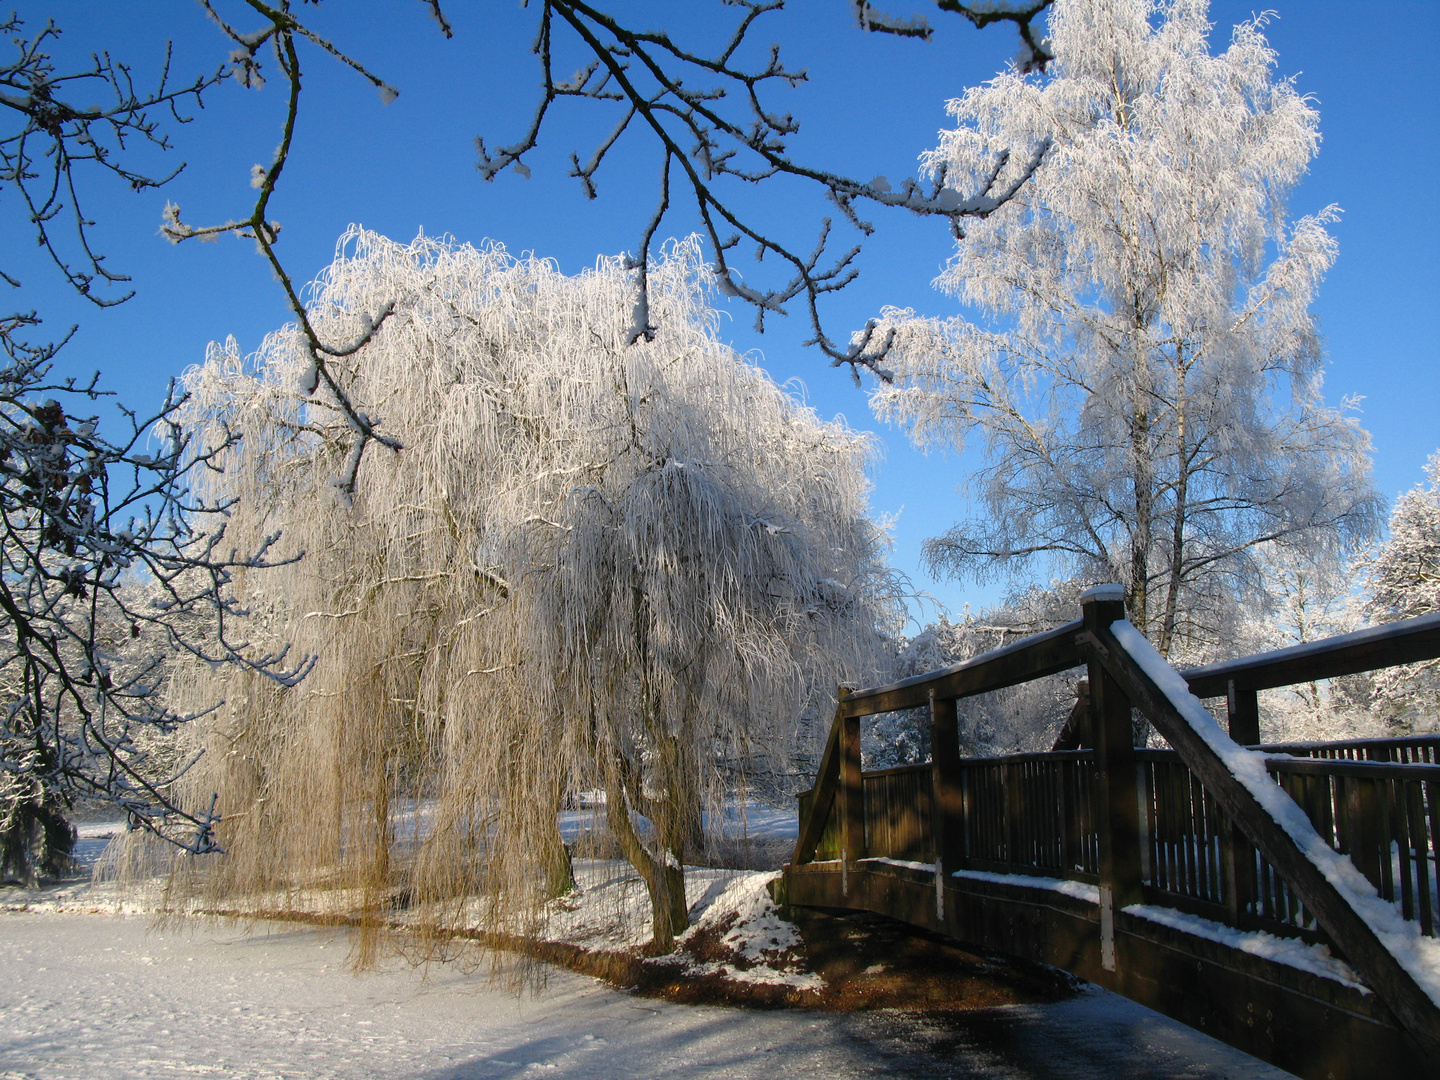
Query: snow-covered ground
point(105, 997)
point(90, 987)
point(89, 992)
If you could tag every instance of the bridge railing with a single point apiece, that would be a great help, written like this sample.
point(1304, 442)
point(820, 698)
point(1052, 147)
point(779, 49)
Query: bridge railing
point(1177, 828)
point(1383, 815)
point(1035, 814)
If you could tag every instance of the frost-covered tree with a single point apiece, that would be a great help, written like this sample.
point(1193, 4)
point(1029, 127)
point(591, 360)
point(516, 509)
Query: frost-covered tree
point(1307, 596)
point(1403, 579)
point(596, 564)
point(1144, 375)
point(1404, 574)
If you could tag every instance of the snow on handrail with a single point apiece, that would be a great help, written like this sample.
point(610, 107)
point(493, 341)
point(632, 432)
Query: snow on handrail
point(1402, 642)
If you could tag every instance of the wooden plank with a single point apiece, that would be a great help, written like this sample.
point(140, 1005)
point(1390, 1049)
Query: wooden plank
point(946, 779)
point(1371, 770)
point(1033, 658)
point(852, 790)
point(1420, 840)
point(823, 796)
point(1408, 750)
point(1361, 947)
point(1403, 642)
point(901, 770)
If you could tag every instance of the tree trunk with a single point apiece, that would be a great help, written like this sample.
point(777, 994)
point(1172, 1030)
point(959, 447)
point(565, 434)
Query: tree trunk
point(664, 876)
point(555, 861)
point(1177, 529)
point(1141, 538)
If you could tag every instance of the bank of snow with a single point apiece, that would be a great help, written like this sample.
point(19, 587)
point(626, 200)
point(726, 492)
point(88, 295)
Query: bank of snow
point(735, 932)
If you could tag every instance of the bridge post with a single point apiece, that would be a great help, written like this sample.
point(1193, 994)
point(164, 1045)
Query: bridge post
point(1242, 713)
point(1119, 798)
point(946, 807)
point(852, 795)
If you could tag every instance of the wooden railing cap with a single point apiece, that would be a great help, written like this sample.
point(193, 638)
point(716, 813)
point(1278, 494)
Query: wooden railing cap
point(1402, 642)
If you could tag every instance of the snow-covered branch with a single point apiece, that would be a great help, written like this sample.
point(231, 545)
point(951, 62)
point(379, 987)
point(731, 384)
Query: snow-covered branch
point(110, 569)
point(714, 127)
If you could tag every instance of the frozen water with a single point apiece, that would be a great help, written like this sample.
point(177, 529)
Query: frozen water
point(88, 996)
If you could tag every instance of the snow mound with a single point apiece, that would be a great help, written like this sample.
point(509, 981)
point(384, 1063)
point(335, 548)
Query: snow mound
point(751, 922)
point(745, 924)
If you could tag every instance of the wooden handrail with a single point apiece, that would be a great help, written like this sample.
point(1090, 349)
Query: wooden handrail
point(1374, 770)
point(1307, 766)
point(1031, 658)
point(893, 770)
point(1389, 746)
point(1403, 642)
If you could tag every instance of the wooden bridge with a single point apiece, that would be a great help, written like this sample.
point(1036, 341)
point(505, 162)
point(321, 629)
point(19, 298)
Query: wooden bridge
point(1185, 878)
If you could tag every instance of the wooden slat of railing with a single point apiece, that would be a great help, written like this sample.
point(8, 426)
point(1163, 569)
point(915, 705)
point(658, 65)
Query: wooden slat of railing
point(1376, 964)
point(1425, 860)
point(1400, 828)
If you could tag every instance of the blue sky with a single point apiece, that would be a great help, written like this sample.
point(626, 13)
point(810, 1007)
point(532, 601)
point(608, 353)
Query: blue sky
point(872, 105)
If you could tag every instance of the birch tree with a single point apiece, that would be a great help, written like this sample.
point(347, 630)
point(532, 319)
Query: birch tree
point(1142, 374)
point(596, 564)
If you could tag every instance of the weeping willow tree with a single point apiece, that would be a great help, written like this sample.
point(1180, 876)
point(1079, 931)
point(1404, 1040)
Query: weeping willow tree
point(593, 564)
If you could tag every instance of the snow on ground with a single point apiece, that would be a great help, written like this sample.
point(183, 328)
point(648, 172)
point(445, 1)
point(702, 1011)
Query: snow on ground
point(766, 948)
point(610, 909)
point(100, 996)
point(88, 991)
point(607, 913)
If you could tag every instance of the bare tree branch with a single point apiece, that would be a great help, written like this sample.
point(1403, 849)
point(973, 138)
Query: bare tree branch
point(707, 115)
point(54, 140)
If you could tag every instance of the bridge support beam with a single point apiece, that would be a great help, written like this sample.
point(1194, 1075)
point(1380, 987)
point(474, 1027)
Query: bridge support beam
point(852, 795)
point(947, 795)
point(1119, 797)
